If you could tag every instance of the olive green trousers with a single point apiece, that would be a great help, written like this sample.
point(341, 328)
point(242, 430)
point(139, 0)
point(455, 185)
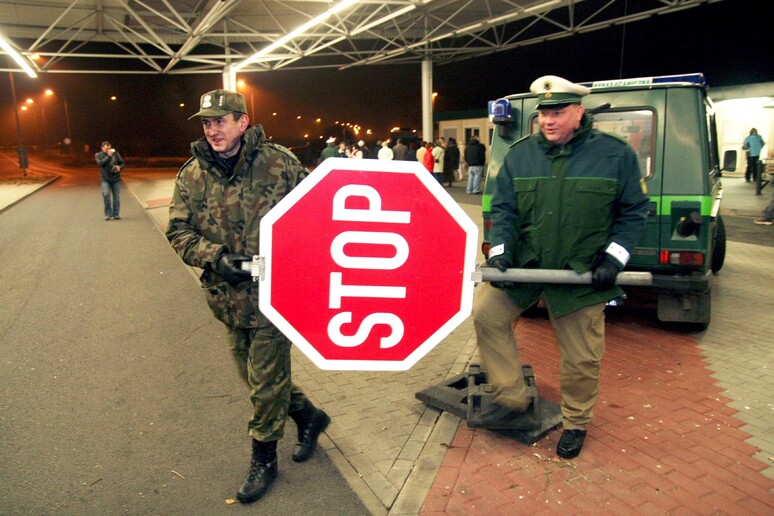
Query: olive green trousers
point(581, 339)
point(262, 358)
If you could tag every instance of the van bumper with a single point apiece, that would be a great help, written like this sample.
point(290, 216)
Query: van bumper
point(694, 284)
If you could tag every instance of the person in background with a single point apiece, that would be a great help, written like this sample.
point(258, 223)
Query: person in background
point(411, 153)
point(357, 150)
point(110, 166)
point(568, 197)
point(385, 152)
point(427, 157)
point(421, 152)
point(364, 150)
point(329, 151)
point(222, 192)
point(342, 151)
point(438, 160)
point(399, 151)
point(767, 217)
point(451, 161)
point(475, 158)
point(753, 143)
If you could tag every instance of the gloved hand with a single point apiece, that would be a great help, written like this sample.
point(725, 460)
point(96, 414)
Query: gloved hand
point(603, 275)
point(502, 265)
point(229, 265)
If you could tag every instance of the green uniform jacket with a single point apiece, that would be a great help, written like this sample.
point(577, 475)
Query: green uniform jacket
point(328, 152)
point(560, 206)
point(210, 210)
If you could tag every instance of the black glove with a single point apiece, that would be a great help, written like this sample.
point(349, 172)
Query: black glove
point(502, 265)
point(229, 265)
point(603, 275)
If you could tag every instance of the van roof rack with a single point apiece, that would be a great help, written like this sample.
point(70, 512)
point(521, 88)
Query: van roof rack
point(690, 78)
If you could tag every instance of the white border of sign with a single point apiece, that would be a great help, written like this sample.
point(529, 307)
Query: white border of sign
point(368, 165)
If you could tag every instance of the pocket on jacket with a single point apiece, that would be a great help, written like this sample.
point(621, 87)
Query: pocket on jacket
point(591, 203)
point(525, 191)
point(218, 296)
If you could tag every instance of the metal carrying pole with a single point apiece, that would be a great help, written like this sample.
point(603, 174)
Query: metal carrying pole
point(632, 279)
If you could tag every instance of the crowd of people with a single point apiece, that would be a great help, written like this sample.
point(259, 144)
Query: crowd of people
point(441, 157)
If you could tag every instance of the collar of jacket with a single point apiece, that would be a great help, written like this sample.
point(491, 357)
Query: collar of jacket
point(577, 139)
point(252, 141)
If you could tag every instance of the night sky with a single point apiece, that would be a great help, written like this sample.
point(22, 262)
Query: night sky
point(729, 45)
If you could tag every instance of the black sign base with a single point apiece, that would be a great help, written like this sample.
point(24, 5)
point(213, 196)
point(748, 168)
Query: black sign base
point(468, 396)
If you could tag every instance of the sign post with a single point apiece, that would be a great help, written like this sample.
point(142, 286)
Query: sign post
point(367, 264)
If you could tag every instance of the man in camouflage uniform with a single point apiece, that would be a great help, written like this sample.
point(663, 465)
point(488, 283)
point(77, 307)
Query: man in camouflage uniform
point(221, 194)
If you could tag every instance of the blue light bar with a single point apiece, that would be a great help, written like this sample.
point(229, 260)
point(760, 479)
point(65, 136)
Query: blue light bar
point(500, 111)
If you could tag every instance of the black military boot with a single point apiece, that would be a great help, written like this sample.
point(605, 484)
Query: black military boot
point(311, 421)
point(263, 470)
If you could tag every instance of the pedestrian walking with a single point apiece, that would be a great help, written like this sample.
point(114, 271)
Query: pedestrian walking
point(233, 179)
point(110, 166)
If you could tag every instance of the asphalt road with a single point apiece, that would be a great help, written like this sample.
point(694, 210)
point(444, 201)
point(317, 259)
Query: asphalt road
point(118, 394)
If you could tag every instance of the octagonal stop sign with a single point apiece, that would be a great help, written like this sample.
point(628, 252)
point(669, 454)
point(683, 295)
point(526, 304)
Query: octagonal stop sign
point(367, 264)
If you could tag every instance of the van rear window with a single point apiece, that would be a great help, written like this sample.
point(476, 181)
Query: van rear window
point(636, 127)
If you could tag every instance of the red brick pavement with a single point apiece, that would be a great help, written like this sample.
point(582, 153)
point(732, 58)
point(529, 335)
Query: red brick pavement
point(662, 441)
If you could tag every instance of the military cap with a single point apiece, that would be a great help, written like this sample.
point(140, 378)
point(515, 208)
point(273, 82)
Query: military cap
point(553, 91)
point(220, 103)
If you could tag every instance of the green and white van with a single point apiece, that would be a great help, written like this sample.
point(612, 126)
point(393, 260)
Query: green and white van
point(669, 121)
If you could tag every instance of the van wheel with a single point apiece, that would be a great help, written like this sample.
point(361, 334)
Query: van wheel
point(719, 245)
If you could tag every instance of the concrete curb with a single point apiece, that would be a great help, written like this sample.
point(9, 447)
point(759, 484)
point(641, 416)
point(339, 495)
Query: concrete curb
point(9, 200)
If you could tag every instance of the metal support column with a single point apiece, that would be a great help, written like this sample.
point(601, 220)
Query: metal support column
point(427, 99)
point(229, 78)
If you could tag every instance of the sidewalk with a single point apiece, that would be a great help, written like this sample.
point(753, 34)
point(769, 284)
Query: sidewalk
point(683, 423)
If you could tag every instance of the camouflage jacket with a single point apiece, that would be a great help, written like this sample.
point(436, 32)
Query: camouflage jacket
point(210, 211)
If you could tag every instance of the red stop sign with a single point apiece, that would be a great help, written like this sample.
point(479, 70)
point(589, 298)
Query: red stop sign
point(368, 264)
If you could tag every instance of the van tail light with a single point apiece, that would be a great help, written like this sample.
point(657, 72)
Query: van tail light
point(682, 258)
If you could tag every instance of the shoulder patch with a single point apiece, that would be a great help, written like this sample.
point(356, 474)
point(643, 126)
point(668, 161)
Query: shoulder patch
point(282, 149)
point(519, 140)
point(185, 165)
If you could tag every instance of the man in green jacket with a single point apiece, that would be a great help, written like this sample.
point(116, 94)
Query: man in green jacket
point(221, 194)
point(568, 197)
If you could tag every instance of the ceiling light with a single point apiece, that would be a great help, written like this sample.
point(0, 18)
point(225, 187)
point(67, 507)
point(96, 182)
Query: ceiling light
point(5, 45)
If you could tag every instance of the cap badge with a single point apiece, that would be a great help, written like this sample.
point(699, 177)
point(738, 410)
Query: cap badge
point(547, 85)
point(207, 102)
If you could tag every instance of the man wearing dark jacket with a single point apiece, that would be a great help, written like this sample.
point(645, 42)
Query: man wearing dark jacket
point(475, 157)
point(568, 197)
point(110, 166)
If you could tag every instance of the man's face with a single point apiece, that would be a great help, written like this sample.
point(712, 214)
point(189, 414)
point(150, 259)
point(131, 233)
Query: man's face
point(106, 148)
point(558, 125)
point(224, 133)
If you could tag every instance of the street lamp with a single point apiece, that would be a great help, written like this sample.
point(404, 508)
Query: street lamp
point(67, 141)
point(30, 102)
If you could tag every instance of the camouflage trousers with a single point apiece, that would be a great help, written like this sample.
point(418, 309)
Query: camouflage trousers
point(262, 358)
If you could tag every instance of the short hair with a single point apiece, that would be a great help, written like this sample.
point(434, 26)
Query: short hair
point(106, 143)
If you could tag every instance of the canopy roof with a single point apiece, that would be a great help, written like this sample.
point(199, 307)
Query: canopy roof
point(210, 36)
